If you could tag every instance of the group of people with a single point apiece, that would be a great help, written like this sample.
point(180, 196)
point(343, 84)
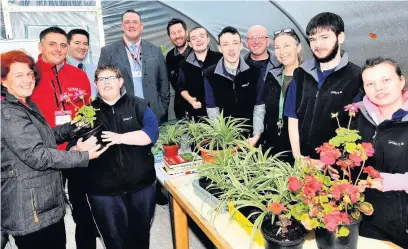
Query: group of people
point(286, 101)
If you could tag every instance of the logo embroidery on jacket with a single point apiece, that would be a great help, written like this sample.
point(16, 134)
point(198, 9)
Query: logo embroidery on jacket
point(127, 119)
point(244, 85)
point(336, 92)
point(395, 143)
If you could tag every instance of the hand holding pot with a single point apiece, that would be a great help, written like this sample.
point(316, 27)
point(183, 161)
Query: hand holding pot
point(111, 137)
point(87, 144)
point(94, 152)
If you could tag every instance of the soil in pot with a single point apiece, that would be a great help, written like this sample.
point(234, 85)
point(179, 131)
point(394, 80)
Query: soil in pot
point(246, 211)
point(170, 150)
point(86, 131)
point(205, 183)
point(293, 239)
point(328, 240)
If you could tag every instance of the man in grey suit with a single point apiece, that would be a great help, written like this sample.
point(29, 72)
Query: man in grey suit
point(142, 65)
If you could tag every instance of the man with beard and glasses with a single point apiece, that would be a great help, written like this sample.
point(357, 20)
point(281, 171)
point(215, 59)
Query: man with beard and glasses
point(191, 79)
point(321, 86)
point(177, 31)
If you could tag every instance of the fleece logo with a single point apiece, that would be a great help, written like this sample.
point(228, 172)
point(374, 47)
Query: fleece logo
point(245, 85)
point(336, 92)
point(395, 143)
point(127, 119)
point(71, 89)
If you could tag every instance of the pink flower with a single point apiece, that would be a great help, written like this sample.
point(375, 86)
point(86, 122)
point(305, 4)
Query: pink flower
point(312, 186)
point(294, 184)
point(328, 153)
point(352, 109)
point(356, 159)
point(65, 97)
point(79, 94)
point(368, 148)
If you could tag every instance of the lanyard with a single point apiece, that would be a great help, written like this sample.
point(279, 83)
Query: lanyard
point(282, 98)
point(57, 101)
point(135, 59)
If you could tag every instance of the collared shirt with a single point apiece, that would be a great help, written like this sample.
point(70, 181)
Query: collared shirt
point(185, 53)
point(89, 70)
point(136, 65)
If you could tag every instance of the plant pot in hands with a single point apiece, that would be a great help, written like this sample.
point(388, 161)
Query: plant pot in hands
point(292, 239)
point(86, 131)
point(328, 240)
point(170, 150)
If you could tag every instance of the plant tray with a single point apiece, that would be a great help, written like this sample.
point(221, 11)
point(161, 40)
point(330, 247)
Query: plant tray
point(206, 196)
point(245, 224)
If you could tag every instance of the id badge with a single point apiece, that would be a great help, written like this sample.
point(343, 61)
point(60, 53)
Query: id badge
point(62, 117)
point(137, 74)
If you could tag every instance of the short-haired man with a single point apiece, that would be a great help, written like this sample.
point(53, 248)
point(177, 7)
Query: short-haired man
point(78, 46)
point(177, 32)
point(231, 85)
point(191, 80)
point(321, 86)
point(141, 64)
point(56, 79)
point(121, 184)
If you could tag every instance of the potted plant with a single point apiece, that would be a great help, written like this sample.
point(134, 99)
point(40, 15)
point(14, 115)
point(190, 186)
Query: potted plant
point(211, 136)
point(333, 207)
point(170, 137)
point(85, 117)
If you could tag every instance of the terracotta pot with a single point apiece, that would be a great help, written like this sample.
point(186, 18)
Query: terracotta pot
point(328, 240)
point(208, 155)
point(170, 150)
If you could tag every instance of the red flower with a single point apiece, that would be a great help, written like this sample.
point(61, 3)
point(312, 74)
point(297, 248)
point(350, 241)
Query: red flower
point(331, 221)
point(294, 184)
point(352, 109)
point(328, 153)
point(312, 186)
point(348, 189)
point(345, 164)
point(276, 208)
point(368, 148)
point(372, 172)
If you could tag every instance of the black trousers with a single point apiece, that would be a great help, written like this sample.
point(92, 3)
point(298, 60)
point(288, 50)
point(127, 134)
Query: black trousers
point(85, 230)
point(51, 237)
point(124, 220)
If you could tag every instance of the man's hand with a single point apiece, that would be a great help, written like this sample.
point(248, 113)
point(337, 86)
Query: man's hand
point(111, 137)
point(253, 140)
point(94, 153)
point(194, 103)
point(85, 145)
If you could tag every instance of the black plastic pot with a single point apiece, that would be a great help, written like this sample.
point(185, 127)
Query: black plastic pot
point(272, 243)
point(328, 240)
point(86, 132)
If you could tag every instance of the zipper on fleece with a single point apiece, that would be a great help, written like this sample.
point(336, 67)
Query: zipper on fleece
point(313, 120)
point(34, 206)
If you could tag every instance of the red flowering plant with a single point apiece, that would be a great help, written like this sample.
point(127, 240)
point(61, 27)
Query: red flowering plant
point(323, 202)
point(85, 114)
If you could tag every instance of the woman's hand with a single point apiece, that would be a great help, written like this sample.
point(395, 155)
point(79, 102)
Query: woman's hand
point(87, 144)
point(331, 170)
point(94, 153)
point(194, 103)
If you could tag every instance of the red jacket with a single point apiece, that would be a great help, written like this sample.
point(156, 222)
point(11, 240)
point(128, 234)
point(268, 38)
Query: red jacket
point(47, 99)
point(70, 79)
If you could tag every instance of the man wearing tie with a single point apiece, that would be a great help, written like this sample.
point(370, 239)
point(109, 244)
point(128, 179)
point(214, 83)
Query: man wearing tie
point(141, 64)
point(78, 46)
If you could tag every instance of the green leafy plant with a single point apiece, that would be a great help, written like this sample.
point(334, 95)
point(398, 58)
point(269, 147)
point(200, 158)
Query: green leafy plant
point(171, 134)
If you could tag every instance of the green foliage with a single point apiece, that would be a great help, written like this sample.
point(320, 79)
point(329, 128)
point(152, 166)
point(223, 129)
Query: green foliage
point(171, 134)
point(85, 115)
point(344, 136)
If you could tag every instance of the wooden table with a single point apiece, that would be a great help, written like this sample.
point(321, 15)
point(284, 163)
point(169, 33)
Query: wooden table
point(220, 229)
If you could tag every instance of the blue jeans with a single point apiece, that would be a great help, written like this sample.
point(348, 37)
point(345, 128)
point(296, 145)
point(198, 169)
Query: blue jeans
point(124, 220)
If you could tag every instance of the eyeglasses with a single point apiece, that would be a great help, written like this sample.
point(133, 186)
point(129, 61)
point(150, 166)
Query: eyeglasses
point(259, 38)
point(277, 32)
point(109, 79)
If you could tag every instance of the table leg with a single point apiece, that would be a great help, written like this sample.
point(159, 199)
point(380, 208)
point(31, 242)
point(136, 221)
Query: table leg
point(180, 226)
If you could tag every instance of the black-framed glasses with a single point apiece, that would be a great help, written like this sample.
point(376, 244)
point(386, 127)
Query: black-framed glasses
point(109, 79)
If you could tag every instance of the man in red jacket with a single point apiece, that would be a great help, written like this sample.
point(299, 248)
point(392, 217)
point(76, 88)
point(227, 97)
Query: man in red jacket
point(58, 79)
point(61, 89)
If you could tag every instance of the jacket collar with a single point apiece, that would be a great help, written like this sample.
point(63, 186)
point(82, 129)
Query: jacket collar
point(220, 68)
point(5, 96)
point(48, 66)
point(372, 112)
point(311, 66)
point(122, 96)
point(273, 62)
point(192, 58)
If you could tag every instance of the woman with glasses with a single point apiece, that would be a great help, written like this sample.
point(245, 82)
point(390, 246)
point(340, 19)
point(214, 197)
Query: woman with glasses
point(32, 194)
point(288, 52)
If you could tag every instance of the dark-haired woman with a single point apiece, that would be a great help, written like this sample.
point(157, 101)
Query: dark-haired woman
point(32, 196)
point(383, 121)
point(288, 52)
